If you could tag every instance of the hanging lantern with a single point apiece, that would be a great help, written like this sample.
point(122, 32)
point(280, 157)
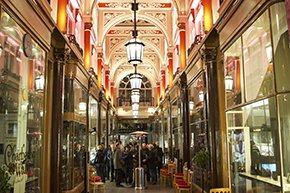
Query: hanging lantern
point(135, 106)
point(135, 113)
point(135, 51)
point(135, 46)
point(39, 83)
point(136, 81)
point(229, 83)
point(135, 96)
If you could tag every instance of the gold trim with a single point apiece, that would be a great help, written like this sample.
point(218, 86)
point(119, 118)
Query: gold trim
point(74, 117)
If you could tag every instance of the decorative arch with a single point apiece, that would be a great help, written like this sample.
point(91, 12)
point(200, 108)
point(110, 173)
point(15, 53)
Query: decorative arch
point(148, 18)
point(125, 73)
point(122, 43)
point(124, 60)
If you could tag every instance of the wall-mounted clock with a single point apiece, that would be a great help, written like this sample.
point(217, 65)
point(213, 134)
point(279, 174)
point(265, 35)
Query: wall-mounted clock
point(27, 45)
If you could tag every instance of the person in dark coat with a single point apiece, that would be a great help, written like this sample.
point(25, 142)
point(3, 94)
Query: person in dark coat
point(118, 164)
point(152, 163)
point(128, 159)
point(100, 162)
point(159, 157)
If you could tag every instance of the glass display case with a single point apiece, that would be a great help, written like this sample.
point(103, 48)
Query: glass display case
point(177, 137)
point(73, 138)
point(166, 131)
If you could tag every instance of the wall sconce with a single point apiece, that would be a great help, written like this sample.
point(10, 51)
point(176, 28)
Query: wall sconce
point(229, 82)
point(191, 105)
point(201, 96)
point(39, 83)
point(82, 107)
point(269, 53)
point(1, 49)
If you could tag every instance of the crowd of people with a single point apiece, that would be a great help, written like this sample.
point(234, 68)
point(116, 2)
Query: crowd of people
point(117, 162)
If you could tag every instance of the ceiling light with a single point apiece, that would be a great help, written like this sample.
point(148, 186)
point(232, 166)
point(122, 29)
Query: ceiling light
point(135, 46)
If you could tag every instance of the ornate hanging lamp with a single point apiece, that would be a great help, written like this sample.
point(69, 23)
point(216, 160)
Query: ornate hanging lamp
point(136, 80)
point(135, 46)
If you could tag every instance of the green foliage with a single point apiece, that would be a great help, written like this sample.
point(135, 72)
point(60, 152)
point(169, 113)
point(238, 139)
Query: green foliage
point(201, 159)
point(4, 179)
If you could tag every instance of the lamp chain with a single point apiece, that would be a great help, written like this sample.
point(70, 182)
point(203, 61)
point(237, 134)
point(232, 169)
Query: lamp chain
point(135, 8)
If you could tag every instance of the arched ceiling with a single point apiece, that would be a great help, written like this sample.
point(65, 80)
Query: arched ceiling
point(154, 27)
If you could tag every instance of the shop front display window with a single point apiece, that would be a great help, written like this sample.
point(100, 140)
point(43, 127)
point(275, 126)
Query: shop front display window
point(233, 74)
point(103, 124)
point(94, 106)
point(22, 69)
point(166, 132)
point(177, 138)
point(73, 139)
point(253, 147)
point(258, 62)
point(197, 115)
point(284, 112)
point(281, 46)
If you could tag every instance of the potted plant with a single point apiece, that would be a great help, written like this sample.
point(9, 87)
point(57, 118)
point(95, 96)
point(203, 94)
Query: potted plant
point(4, 179)
point(200, 159)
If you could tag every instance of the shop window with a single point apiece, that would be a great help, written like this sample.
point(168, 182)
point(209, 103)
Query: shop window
point(21, 114)
point(281, 46)
point(253, 146)
point(284, 103)
point(233, 74)
point(257, 54)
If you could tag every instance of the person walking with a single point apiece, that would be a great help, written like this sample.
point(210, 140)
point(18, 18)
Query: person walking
point(119, 164)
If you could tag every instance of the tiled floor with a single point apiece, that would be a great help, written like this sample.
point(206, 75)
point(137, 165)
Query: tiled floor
point(111, 188)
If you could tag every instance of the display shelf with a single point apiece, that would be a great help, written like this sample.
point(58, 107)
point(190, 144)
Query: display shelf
point(268, 180)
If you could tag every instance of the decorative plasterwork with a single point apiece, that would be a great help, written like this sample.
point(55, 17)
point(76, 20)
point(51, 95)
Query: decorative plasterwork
point(115, 40)
point(140, 32)
point(148, 49)
point(115, 5)
point(149, 32)
point(121, 50)
point(109, 16)
point(155, 5)
point(123, 5)
point(162, 17)
point(115, 31)
point(153, 57)
point(154, 40)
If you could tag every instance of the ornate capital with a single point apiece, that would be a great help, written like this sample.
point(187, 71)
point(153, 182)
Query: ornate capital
point(107, 72)
point(100, 55)
point(62, 55)
point(88, 25)
point(181, 26)
point(208, 54)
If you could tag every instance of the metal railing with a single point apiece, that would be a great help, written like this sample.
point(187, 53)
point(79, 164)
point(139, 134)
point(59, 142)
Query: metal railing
point(144, 101)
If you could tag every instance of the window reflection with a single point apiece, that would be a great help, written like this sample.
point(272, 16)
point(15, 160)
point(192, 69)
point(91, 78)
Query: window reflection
point(253, 145)
point(21, 105)
point(257, 59)
point(233, 74)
